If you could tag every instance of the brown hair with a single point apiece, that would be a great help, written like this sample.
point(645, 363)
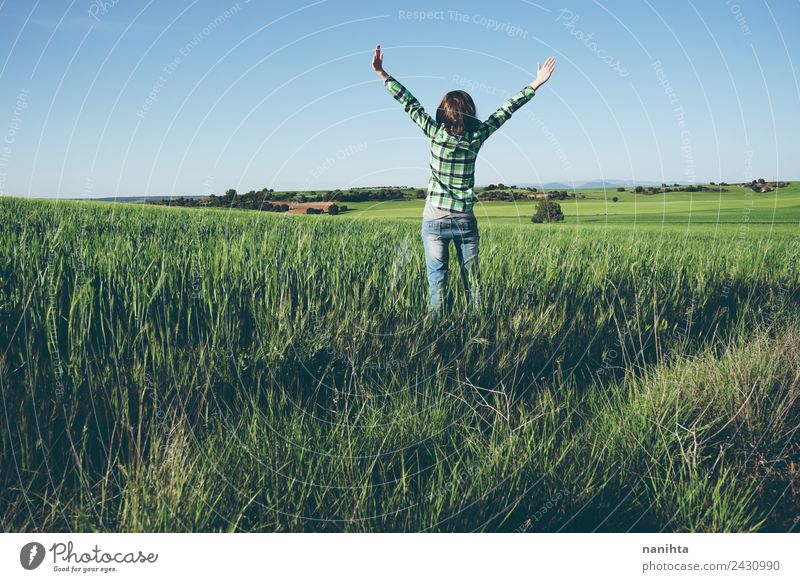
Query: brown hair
point(457, 112)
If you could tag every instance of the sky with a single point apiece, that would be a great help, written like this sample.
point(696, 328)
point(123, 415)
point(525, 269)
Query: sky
point(109, 98)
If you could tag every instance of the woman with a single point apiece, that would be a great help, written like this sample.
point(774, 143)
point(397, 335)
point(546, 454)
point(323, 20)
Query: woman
point(456, 137)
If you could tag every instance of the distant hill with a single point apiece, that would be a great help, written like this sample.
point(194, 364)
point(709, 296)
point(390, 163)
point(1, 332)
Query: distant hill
point(600, 183)
point(597, 183)
point(139, 198)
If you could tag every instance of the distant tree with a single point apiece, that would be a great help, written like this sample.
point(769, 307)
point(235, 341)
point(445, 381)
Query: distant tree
point(761, 181)
point(230, 193)
point(621, 189)
point(713, 183)
point(615, 199)
point(547, 211)
point(333, 209)
point(638, 189)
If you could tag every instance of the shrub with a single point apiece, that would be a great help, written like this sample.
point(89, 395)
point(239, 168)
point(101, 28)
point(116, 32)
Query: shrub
point(547, 211)
point(615, 199)
point(638, 189)
point(333, 209)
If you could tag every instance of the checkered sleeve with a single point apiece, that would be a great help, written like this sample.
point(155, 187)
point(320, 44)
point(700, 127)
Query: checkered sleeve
point(503, 114)
point(411, 106)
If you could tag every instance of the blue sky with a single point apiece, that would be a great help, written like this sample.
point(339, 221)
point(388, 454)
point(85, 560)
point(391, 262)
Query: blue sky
point(116, 97)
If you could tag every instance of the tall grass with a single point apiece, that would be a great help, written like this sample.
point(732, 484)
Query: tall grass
point(172, 370)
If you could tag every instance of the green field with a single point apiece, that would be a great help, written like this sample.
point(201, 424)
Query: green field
point(696, 211)
point(634, 368)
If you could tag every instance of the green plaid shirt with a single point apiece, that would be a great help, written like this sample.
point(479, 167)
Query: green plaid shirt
point(452, 178)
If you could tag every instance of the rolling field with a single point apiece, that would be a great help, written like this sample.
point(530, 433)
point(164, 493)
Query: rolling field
point(694, 211)
point(168, 369)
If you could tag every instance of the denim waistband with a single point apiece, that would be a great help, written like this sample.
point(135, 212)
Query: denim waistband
point(456, 225)
point(449, 222)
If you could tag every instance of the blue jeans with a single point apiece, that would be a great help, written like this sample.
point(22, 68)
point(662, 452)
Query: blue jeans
point(436, 237)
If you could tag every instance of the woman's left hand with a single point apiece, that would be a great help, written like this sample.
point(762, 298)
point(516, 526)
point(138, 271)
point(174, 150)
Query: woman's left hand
point(543, 73)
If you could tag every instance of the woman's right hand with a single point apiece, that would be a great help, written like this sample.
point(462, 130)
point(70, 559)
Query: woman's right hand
point(377, 63)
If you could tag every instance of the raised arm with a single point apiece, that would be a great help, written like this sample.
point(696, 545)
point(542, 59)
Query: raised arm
point(403, 96)
point(516, 101)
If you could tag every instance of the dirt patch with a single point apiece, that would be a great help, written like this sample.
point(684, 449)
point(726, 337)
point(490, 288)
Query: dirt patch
point(301, 207)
